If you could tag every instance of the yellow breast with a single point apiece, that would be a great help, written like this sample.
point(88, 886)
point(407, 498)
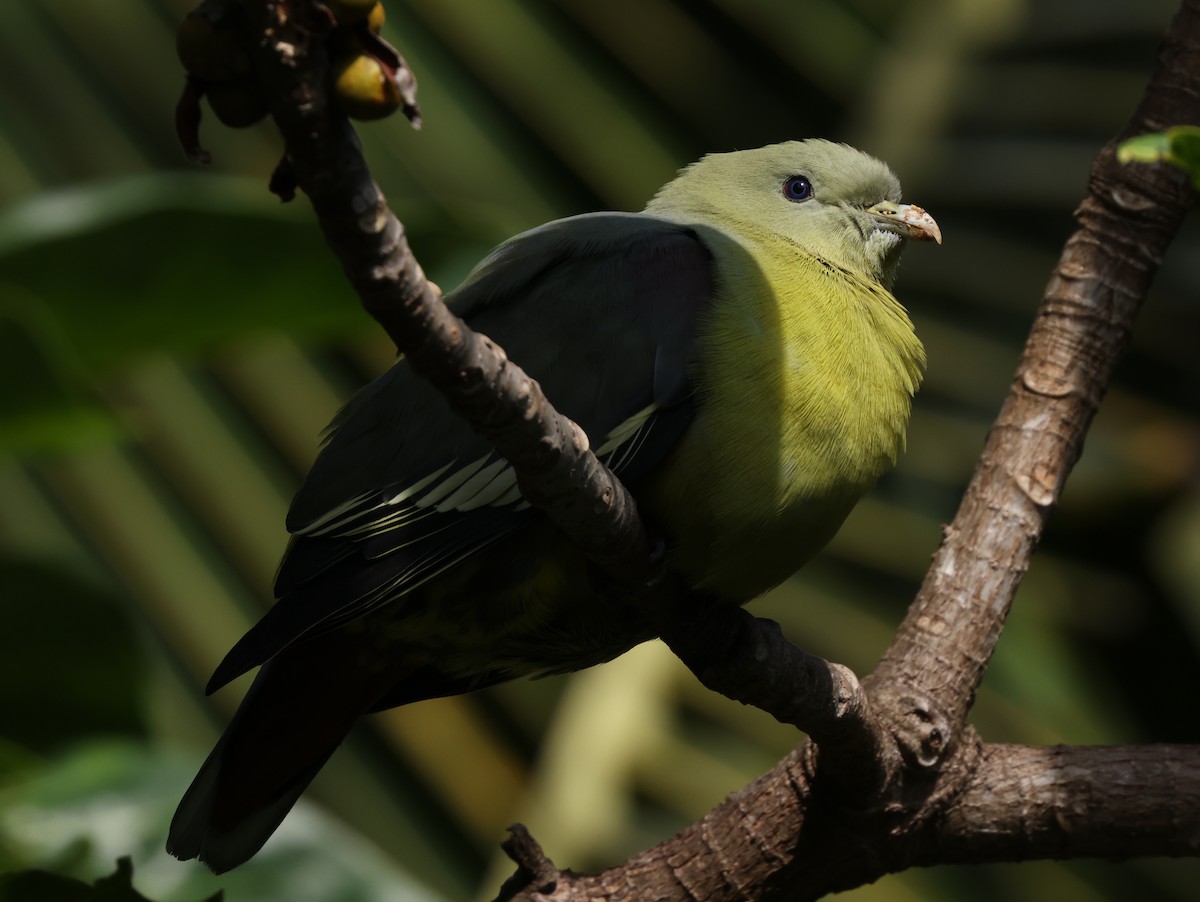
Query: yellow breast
point(803, 398)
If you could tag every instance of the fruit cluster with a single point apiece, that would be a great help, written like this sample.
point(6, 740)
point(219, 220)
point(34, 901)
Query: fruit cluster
point(213, 46)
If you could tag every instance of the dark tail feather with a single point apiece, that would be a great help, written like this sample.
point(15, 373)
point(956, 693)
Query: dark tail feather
point(193, 831)
point(299, 709)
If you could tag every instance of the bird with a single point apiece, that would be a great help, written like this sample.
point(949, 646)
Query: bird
point(736, 357)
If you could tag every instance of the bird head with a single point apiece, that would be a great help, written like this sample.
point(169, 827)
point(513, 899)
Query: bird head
point(830, 200)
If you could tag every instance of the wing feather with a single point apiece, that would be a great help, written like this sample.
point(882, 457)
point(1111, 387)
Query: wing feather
point(601, 309)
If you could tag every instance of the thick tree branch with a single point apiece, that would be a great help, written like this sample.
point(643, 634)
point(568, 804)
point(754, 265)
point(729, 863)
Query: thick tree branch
point(776, 839)
point(1113, 802)
point(1126, 222)
point(781, 837)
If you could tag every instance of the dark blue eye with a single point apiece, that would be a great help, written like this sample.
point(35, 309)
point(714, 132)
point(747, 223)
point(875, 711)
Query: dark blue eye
point(797, 188)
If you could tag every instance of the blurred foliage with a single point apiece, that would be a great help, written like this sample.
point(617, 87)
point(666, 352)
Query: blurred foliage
point(81, 809)
point(47, 401)
point(183, 235)
point(91, 683)
point(26, 886)
point(172, 341)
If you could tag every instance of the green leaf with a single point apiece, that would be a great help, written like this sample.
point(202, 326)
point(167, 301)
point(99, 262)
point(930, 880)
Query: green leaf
point(93, 277)
point(173, 263)
point(1179, 146)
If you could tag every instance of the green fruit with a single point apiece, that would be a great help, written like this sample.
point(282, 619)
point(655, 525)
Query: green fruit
point(208, 52)
point(364, 90)
point(237, 104)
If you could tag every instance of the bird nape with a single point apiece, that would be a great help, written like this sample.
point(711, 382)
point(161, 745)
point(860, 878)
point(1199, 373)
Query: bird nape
point(736, 357)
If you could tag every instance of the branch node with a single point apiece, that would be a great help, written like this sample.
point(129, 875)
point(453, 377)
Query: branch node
point(535, 872)
point(923, 732)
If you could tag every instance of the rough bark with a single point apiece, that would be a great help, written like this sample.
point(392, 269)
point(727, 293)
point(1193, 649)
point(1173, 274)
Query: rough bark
point(550, 455)
point(1073, 802)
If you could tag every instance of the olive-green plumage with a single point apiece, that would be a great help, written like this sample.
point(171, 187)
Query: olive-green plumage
point(736, 357)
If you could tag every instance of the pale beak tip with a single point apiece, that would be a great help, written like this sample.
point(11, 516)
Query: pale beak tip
point(923, 226)
point(908, 219)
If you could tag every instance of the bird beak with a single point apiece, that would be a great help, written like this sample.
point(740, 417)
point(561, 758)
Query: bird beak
point(908, 220)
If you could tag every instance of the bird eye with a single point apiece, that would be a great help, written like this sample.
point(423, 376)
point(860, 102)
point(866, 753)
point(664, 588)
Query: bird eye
point(797, 188)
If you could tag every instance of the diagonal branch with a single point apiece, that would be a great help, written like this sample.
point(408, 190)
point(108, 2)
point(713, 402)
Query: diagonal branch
point(747, 659)
point(550, 455)
point(1126, 222)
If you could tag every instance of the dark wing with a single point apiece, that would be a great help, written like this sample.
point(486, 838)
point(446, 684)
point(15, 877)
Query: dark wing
point(601, 309)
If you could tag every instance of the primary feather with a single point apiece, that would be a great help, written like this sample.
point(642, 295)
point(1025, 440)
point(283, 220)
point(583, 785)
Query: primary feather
point(734, 353)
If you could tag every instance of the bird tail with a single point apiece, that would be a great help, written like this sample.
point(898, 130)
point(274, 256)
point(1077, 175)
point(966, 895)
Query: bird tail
point(299, 709)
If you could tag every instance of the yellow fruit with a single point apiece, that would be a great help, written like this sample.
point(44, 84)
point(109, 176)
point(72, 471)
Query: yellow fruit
point(364, 90)
point(349, 11)
point(237, 104)
point(376, 18)
point(208, 52)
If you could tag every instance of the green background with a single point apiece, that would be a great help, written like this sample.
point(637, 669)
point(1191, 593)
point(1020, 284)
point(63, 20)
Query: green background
point(172, 341)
